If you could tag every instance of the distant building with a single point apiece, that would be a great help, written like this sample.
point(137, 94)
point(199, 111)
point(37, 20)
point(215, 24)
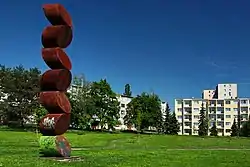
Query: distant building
point(226, 91)
point(222, 106)
point(208, 94)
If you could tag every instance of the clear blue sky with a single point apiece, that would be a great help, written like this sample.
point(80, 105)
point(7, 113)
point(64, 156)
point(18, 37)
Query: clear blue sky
point(154, 45)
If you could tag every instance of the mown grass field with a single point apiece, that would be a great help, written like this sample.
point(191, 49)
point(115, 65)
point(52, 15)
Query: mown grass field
point(129, 150)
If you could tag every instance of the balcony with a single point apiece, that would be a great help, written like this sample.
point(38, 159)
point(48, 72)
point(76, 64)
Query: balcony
point(187, 127)
point(220, 105)
point(187, 113)
point(220, 126)
point(212, 119)
point(220, 112)
point(243, 119)
point(244, 103)
point(220, 119)
point(243, 112)
point(187, 119)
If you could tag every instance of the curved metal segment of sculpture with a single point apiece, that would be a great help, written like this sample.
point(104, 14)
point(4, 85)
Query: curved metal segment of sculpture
point(55, 82)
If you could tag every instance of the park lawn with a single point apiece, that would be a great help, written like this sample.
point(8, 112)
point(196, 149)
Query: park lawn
point(129, 150)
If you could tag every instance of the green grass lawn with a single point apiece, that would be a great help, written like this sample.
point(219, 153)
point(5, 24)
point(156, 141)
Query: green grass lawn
point(129, 150)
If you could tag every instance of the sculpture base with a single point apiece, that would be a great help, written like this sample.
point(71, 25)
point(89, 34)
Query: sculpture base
point(65, 159)
point(54, 146)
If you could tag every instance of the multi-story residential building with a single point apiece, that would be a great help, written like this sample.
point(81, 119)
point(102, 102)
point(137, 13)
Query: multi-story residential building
point(222, 110)
point(124, 100)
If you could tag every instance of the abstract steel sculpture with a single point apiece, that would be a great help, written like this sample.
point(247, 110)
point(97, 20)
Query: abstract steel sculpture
point(55, 82)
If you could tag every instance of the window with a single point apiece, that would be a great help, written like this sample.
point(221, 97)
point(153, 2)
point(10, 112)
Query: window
point(122, 112)
point(179, 102)
point(243, 102)
point(220, 124)
point(235, 116)
point(196, 117)
point(228, 123)
point(196, 124)
point(212, 124)
point(225, 95)
point(179, 109)
point(228, 109)
point(196, 109)
point(224, 85)
point(225, 90)
point(228, 130)
point(228, 102)
point(228, 116)
point(196, 102)
point(236, 109)
point(122, 105)
point(230, 94)
point(179, 117)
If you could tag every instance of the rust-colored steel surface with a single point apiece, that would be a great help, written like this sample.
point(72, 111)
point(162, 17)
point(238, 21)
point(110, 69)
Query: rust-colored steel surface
point(55, 102)
point(54, 124)
point(55, 81)
point(57, 36)
point(56, 58)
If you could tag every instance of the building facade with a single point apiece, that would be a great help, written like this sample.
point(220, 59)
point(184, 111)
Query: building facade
point(226, 91)
point(222, 109)
point(208, 94)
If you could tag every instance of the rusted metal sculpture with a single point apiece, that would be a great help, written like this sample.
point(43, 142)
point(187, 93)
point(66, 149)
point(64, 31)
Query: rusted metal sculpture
point(55, 82)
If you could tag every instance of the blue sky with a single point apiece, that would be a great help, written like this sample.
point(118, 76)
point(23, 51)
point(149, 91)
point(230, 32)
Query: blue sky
point(175, 48)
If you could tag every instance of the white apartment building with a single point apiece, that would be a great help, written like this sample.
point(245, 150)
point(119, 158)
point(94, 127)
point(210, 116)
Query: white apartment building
point(222, 111)
point(226, 91)
point(124, 101)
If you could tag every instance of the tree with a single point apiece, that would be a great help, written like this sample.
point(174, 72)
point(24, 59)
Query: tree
point(174, 125)
point(39, 113)
point(21, 87)
point(107, 107)
point(213, 130)
point(144, 111)
point(127, 91)
point(245, 130)
point(234, 129)
point(167, 121)
point(82, 106)
point(203, 123)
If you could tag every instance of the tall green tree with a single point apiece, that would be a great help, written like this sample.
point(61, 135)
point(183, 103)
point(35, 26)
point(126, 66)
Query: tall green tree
point(203, 122)
point(234, 129)
point(82, 105)
point(106, 104)
point(213, 130)
point(167, 121)
point(127, 91)
point(144, 111)
point(174, 124)
point(245, 130)
point(21, 87)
